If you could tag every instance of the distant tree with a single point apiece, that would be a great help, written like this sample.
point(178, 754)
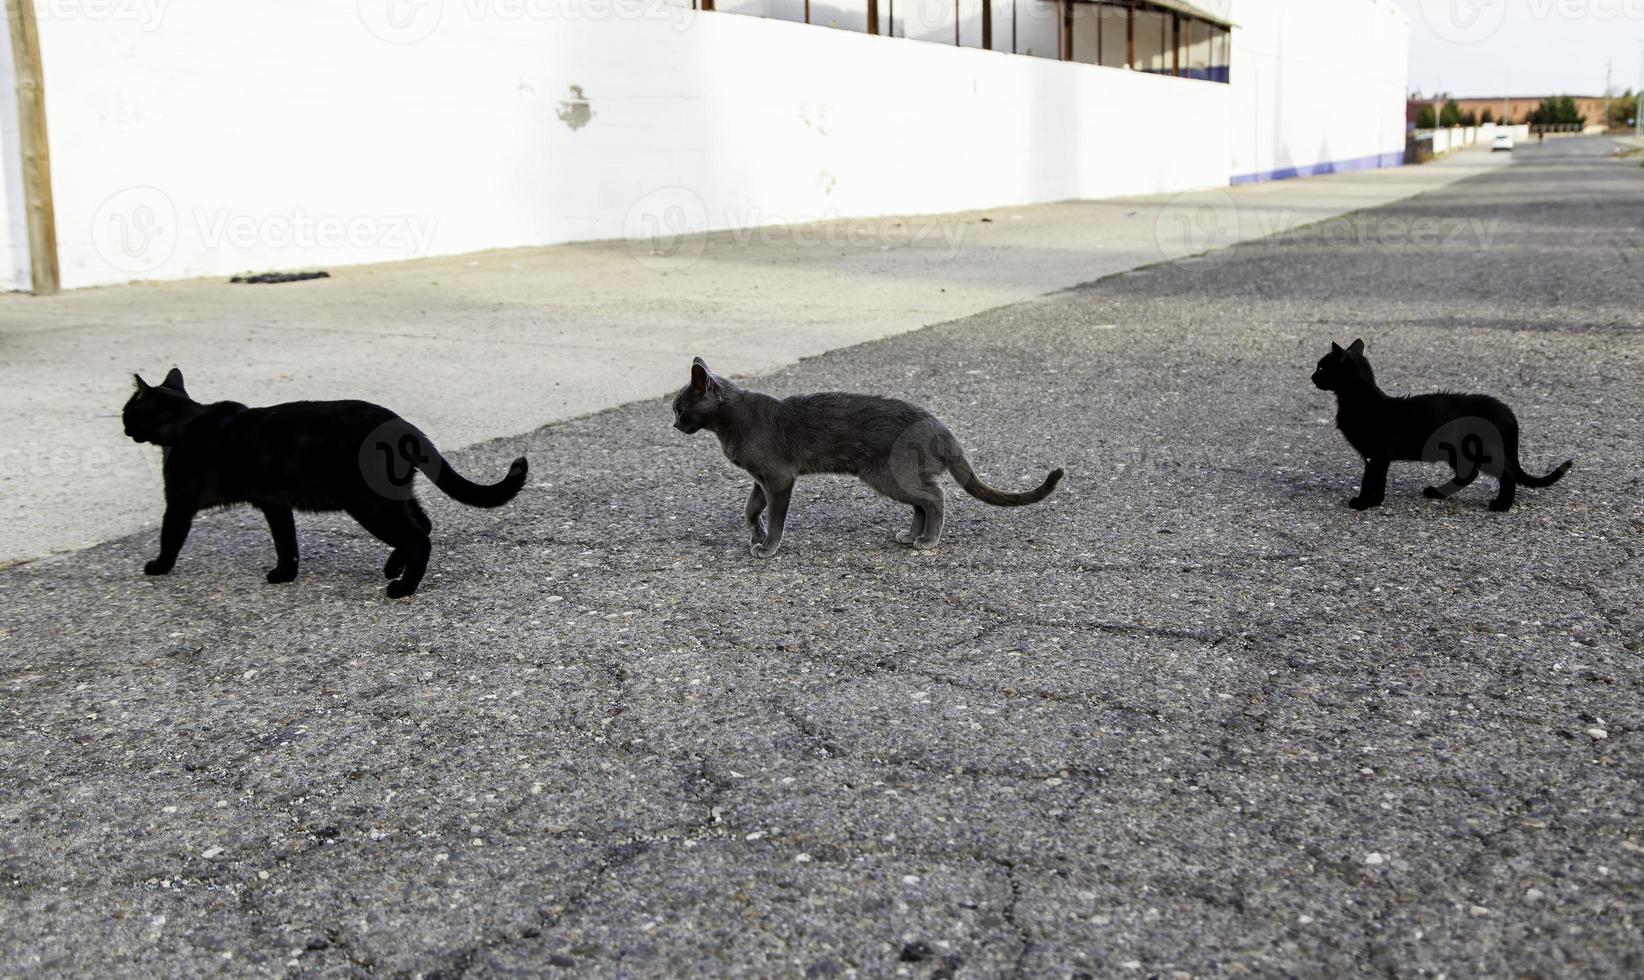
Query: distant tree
point(1623, 110)
point(1426, 118)
point(1486, 117)
point(1469, 118)
point(1450, 115)
point(1557, 110)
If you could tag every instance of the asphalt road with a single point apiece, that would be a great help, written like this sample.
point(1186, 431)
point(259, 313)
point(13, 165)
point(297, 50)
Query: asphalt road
point(1193, 716)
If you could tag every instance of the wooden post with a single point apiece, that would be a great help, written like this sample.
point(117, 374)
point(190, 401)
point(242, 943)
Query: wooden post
point(1130, 35)
point(36, 149)
point(1176, 44)
point(873, 16)
point(1066, 32)
point(987, 24)
point(1101, 17)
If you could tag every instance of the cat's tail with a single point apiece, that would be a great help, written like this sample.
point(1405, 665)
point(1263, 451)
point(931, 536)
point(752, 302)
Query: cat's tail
point(1542, 481)
point(465, 491)
point(959, 466)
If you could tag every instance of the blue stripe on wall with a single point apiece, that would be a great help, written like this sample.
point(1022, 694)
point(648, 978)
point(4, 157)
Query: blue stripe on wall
point(1373, 162)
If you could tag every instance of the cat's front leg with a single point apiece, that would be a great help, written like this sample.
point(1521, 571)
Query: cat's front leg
point(173, 532)
point(283, 527)
point(778, 496)
point(1373, 490)
point(756, 507)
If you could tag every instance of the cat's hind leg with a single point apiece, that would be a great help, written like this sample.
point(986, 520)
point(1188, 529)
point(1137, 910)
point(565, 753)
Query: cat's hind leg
point(923, 494)
point(1504, 497)
point(913, 533)
point(283, 526)
point(930, 535)
point(404, 527)
point(778, 496)
point(751, 514)
point(1465, 475)
point(395, 566)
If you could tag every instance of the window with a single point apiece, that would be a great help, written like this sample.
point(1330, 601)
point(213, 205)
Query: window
point(1159, 36)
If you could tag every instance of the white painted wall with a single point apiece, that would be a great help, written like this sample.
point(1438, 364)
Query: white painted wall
point(1317, 82)
point(203, 138)
point(1460, 137)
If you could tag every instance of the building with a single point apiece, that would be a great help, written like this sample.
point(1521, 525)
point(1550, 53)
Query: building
point(198, 138)
point(1514, 110)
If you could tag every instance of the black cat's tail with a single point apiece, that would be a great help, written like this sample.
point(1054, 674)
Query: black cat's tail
point(959, 466)
point(465, 491)
point(1542, 481)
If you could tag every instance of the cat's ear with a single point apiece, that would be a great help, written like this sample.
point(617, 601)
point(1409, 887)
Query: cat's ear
point(702, 379)
point(1335, 348)
point(174, 380)
point(141, 384)
point(1358, 347)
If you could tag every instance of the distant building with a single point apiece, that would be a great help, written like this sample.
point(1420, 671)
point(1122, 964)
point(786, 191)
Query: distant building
point(1510, 109)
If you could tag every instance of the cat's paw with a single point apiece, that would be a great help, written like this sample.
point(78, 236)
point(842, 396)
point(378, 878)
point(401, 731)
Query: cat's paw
point(157, 567)
point(1432, 493)
point(395, 565)
point(1360, 503)
point(763, 550)
point(905, 537)
point(925, 544)
point(280, 574)
point(399, 590)
point(1501, 507)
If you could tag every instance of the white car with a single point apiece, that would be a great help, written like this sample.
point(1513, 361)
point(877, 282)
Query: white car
point(1504, 141)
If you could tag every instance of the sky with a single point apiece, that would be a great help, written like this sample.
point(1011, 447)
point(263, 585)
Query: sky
point(1524, 47)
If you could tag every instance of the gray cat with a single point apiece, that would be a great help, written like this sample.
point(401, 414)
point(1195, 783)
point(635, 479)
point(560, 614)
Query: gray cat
point(894, 447)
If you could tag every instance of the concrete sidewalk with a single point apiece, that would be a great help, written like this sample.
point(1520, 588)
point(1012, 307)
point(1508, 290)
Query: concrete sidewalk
point(491, 344)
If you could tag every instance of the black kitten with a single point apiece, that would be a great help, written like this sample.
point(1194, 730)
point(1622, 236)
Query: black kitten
point(1471, 433)
point(896, 448)
point(311, 456)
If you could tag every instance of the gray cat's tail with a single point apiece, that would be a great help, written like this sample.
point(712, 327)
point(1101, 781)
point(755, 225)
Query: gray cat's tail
point(959, 466)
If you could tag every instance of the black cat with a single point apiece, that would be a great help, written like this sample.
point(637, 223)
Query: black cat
point(894, 447)
point(311, 456)
point(1471, 433)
